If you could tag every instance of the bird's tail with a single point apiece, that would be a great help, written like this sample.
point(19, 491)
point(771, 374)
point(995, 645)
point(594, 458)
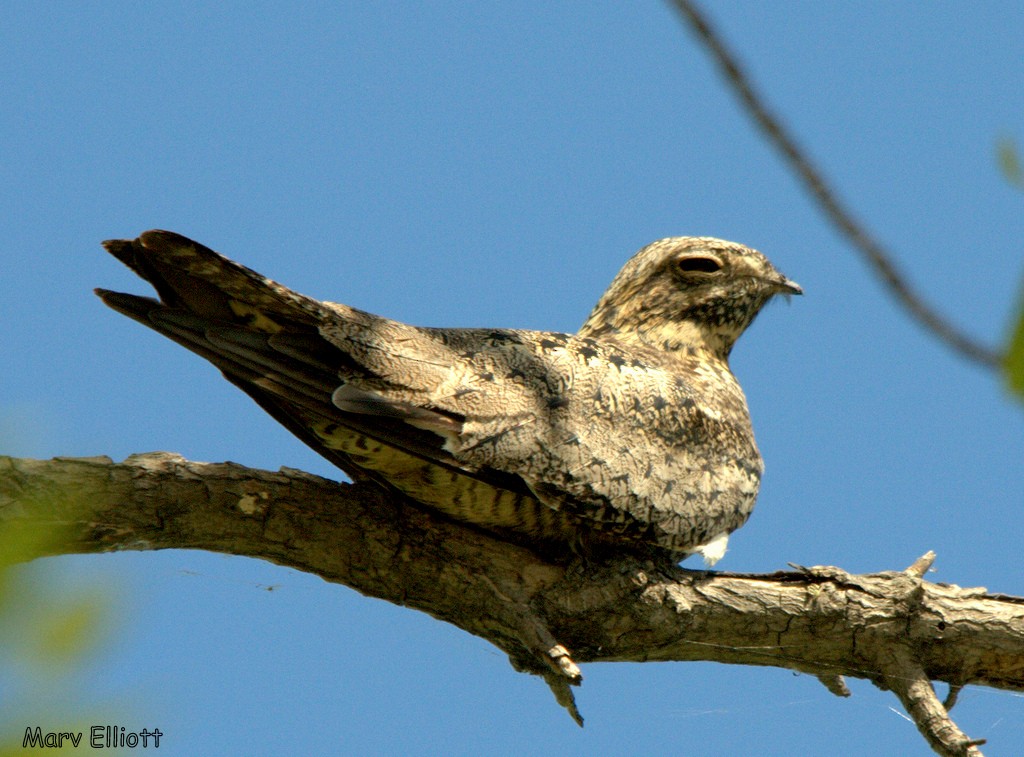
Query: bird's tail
point(261, 335)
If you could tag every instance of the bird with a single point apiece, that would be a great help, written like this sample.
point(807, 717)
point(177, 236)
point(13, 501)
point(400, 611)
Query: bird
point(632, 434)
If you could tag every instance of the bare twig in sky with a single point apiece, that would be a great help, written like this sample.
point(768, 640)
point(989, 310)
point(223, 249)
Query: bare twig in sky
point(878, 257)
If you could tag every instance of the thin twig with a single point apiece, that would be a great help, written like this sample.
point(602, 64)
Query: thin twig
point(877, 256)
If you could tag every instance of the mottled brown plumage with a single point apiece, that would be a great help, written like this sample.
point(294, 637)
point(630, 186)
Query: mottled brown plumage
point(631, 432)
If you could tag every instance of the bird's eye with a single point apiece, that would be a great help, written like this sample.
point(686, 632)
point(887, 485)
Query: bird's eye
point(698, 265)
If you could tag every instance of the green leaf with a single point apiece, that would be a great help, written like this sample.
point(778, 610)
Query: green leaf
point(1013, 363)
point(1009, 161)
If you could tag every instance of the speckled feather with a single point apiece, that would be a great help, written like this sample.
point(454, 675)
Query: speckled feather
point(631, 432)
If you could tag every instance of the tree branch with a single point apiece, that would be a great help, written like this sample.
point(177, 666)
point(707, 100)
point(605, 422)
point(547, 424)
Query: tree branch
point(871, 250)
point(892, 628)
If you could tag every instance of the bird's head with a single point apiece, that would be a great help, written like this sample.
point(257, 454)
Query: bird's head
point(696, 292)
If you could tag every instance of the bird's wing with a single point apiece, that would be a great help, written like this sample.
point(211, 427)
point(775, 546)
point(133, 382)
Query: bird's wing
point(378, 398)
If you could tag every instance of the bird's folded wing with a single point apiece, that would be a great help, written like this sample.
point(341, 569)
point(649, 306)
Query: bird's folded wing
point(374, 396)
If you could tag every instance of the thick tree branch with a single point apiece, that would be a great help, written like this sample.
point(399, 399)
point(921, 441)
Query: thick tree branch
point(892, 628)
point(880, 259)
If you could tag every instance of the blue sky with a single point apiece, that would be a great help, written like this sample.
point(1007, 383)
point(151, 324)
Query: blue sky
point(494, 164)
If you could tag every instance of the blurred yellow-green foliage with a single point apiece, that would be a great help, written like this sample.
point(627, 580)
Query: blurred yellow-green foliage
point(47, 633)
point(1009, 161)
point(1013, 363)
point(1008, 157)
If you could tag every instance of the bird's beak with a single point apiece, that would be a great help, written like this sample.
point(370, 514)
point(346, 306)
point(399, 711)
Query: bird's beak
point(787, 286)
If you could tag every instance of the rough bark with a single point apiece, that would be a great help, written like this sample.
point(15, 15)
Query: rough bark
point(892, 628)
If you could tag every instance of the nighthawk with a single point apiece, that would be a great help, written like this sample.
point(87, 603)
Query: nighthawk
point(631, 433)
